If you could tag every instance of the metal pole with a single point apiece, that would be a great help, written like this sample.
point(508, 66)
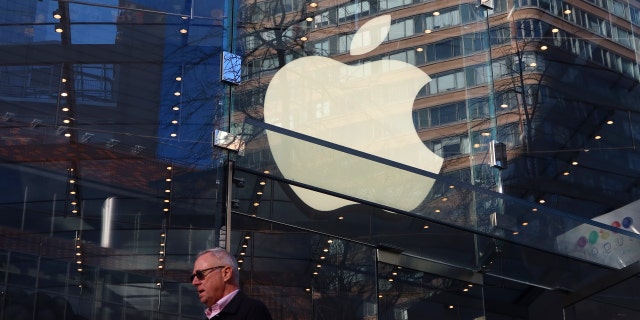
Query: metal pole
point(227, 242)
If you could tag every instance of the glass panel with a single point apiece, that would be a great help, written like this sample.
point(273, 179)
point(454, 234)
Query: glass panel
point(410, 294)
point(449, 202)
point(300, 273)
point(112, 181)
point(609, 297)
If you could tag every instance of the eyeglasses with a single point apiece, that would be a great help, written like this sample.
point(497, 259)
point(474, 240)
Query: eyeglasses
point(201, 274)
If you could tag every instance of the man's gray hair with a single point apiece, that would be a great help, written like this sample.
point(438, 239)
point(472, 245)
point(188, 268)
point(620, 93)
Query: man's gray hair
point(225, 258)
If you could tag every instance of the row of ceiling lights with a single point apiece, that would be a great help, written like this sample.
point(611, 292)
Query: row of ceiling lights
point(176, 107)
point(166, 210)
point(575, 163)
point(256, 201)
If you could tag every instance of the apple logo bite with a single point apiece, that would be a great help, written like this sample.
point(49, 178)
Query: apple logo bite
point(365, 107)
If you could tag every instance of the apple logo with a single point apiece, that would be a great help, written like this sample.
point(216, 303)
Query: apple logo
point(365, 107)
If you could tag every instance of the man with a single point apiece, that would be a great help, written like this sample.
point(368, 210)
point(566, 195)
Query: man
point(217, 280)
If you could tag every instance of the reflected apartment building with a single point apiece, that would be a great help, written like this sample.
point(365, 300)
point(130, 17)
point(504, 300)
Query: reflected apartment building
point(559, 91)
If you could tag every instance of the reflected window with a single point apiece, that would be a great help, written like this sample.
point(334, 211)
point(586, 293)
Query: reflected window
point(94, 82)
point(389, 4)
point(401, 29)
point(350, 11)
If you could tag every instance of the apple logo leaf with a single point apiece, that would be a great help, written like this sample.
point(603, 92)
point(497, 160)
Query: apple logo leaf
point(370, 35)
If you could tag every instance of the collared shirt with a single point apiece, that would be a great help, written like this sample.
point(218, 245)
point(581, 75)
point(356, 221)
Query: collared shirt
point(218, 306)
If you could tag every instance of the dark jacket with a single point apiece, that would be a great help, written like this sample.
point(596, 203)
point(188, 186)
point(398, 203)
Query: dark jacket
point(242, 307)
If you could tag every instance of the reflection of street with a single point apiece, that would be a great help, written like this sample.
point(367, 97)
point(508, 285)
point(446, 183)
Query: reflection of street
point(18, 305)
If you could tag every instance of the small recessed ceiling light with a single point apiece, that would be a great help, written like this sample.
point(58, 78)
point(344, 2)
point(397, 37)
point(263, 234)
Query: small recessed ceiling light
point(567, 11)
point(436, 13)
point(177, 93)
point(178, 78)
point(541, 201)
point(174, 135)
point(543, 48)
point(574, 163)
point(427, 31)
point(610, 122)
point(183, 30)
point(555, 30)
point(304, 38)
point(597, 137)
point(309, 19)
point(419, 49)
point(525, 223)
point(504, 106)
point(313, 4)
point(566, 173)
point(533, 64)
point(425, 227)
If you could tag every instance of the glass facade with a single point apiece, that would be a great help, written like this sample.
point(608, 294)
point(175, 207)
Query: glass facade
point(380, 159)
